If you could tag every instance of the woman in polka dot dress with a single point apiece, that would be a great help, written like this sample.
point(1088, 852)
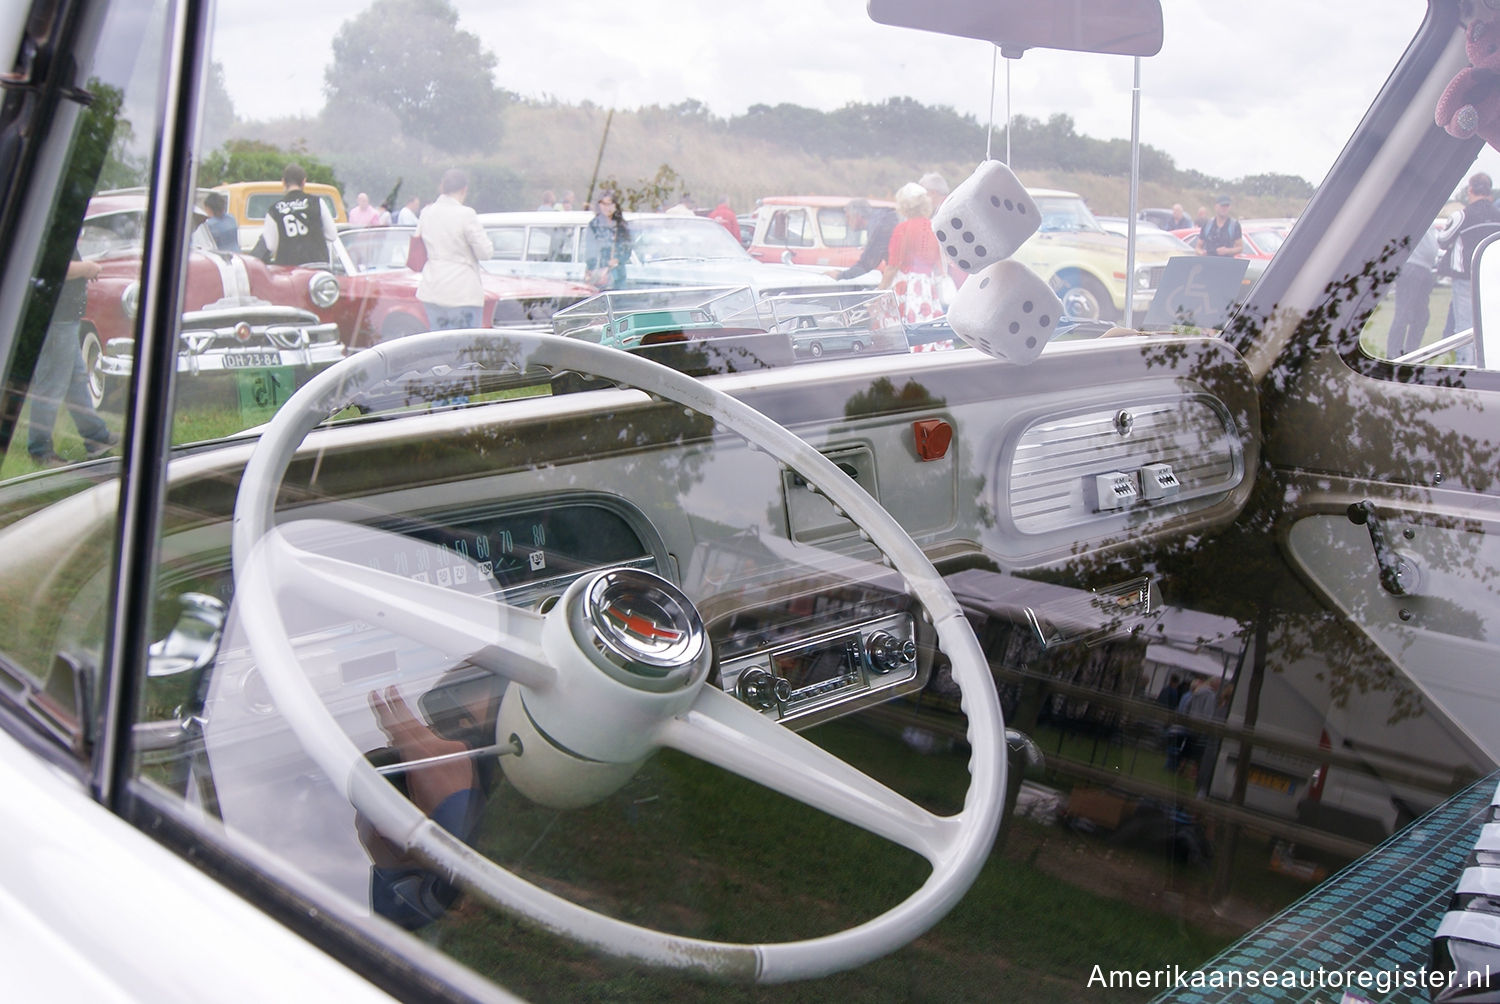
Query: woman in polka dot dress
point(913, 259)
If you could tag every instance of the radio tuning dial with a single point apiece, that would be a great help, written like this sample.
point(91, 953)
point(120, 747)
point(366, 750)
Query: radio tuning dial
point(889, 653)
point(758, 689)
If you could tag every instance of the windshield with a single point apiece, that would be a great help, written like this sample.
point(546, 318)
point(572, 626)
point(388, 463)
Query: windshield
point(731, 507)
point(658, 240)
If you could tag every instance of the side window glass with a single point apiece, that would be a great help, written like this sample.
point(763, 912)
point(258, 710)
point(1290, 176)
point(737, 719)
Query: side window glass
point(836, 232)
point(1427, 314)
point(550, 244)
point(509, 243)
point(59, 442)
point(797, 229)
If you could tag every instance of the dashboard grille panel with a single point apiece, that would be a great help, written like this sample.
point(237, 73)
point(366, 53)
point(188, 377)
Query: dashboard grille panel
point(1057, 459)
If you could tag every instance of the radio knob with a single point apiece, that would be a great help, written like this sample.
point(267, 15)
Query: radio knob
point(758, 689)
point(889, 653)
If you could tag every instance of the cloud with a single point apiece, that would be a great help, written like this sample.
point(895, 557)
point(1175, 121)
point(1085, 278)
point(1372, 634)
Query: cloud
point(1229, 83)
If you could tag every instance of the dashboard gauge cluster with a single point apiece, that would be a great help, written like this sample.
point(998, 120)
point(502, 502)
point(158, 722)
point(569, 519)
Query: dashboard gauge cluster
point(532, 553)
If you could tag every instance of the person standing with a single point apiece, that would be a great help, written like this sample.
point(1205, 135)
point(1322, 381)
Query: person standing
point(1221, 236)
point(1180, 219)
point(410, 212)
point(1466, 228)
point(877, 224)
point(60, 379)
point(363, 214)
point(913, 258)
point(219, 231)
point(298, 226)
point(451, 287)
point(606, 244)
point(725, 215)
point(1413, 290)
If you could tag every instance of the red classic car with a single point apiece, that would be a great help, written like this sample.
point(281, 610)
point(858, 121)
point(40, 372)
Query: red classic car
point(240, 315)
point(380, 292)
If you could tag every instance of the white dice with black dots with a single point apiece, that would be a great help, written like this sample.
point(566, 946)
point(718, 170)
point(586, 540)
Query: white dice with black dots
point(985, 219)
point(1006, 311)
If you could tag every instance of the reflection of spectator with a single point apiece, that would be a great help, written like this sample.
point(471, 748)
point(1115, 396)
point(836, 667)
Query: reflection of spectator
point(450, 791)
point(60, 378)
point(298, 226)
point(1171, 692)
point(219, 231)
point(725, 215)
point(566, 202)
point(549, 202)
point(913, 257)
point(877, 224)
point(451, 287)
point(1413, 289)
point(383, 219)
point(1199, 703)
point(1209, 757)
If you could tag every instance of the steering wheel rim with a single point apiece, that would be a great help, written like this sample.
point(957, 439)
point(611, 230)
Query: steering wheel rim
point(710, 726)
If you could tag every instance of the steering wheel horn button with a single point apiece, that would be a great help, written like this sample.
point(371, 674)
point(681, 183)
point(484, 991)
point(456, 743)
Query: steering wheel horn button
point(643, 630)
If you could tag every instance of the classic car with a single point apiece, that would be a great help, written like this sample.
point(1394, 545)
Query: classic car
point(665, 251)
point(858, 678)
point(380, 292)
point(1086, 263)
point(1153, 247)
point(809, 230)
point(243, 321)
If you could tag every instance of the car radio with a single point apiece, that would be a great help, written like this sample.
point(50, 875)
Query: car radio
point(819, 674)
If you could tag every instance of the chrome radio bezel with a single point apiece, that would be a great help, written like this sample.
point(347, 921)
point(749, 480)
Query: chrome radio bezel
point(862, 684)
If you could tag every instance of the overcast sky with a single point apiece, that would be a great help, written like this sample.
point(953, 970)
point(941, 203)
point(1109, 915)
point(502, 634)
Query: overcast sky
point(1230, 77)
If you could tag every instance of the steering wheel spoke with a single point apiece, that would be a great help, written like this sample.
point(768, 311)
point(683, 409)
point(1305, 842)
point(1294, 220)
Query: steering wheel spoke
point(728, 733)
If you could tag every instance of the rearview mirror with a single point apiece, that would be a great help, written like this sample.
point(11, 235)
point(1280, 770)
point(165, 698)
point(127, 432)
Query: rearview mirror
point(1119, 27)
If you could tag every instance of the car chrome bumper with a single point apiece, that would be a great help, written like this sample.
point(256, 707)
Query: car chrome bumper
point(218, 341)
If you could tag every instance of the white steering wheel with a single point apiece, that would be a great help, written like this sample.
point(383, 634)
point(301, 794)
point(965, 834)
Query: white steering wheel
point(602, 699)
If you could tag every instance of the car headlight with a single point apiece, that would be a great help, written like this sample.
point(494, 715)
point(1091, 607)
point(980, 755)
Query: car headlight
point(130, 300)
point(323, 289)
point(1143, 278)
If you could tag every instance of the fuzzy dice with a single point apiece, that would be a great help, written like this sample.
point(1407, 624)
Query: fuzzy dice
point(985, 219)
point(1006, 311)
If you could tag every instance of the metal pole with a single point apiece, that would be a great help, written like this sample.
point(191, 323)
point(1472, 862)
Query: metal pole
point(599, 159)
point(1135, 183)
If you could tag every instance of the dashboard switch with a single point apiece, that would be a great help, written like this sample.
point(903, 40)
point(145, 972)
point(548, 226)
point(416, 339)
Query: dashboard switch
point(932, 437)
point(1115, 490)
point(1158, 482)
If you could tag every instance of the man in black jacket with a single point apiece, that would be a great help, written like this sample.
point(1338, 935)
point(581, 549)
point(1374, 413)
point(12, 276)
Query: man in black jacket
point(877, 224)
point(1470, 225)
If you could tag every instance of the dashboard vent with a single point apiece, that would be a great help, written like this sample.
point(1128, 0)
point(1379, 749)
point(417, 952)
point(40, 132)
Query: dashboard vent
point(1057, 460)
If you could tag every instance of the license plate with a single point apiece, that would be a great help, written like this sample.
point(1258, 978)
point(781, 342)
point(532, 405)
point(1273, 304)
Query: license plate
point(1275, 782)
point(251, 360)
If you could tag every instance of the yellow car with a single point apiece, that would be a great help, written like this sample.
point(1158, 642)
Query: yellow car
point(1085, 263)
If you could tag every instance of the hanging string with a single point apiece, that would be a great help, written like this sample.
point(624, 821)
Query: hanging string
point(989, 132)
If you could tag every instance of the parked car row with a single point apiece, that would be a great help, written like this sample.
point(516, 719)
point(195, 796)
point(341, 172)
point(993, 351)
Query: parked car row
point(1083, 262)
point(243, 315)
